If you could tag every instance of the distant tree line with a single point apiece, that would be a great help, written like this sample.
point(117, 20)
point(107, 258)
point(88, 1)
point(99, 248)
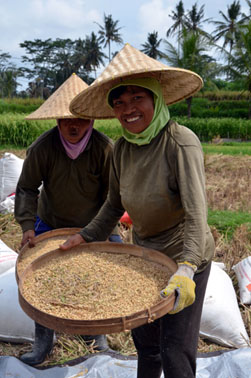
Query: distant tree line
point(48, 63)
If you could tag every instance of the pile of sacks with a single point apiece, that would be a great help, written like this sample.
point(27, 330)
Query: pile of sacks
point(10, 169)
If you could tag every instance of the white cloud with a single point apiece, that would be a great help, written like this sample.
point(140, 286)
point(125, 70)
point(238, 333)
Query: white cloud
point(63, 13)
point(154, 16)
point(43, 19)
point(66, 16)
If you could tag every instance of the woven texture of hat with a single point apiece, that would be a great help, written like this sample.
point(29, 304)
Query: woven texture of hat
point(57, 105)
point(177, 84)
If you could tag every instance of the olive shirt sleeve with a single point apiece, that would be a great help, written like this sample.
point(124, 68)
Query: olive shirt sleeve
point(108, 216)
point(189, 169)
point(27, 191)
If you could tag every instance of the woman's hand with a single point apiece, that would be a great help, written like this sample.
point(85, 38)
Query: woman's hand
point(183, 285)
point(73, 241)
point(28, 237)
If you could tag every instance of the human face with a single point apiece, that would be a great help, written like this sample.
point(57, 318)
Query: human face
point(134, 108)
point(73, 129)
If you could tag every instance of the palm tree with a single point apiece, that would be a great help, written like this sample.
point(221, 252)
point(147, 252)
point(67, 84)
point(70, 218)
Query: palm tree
point(245, 18)
point(240, 60)
point(109, 32)
point(195, 19)
point(4, 57)
point(178, 17)
point(151, 47)
point(88, 54)
point(9, 82)
point(193, 57)
point(228, 29)
point(93, 53)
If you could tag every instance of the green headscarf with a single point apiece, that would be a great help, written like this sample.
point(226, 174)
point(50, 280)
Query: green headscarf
point(161, 113)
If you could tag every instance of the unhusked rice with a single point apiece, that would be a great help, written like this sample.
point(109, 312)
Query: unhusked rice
point(88, 285)
point(42, 247)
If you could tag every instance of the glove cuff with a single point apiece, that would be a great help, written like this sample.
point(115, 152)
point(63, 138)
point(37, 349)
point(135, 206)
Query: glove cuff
point(186, 263)
point(186, 269)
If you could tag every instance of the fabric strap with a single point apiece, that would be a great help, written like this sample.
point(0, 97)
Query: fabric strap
point(73, 150)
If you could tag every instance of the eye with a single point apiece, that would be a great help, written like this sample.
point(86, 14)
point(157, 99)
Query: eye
point(117, 103)
point(137, 97)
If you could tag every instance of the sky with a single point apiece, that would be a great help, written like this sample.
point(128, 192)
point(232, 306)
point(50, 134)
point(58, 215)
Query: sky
point(43, 19)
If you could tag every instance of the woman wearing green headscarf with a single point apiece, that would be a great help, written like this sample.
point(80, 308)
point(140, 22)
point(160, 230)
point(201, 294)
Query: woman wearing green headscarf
point(157, 176)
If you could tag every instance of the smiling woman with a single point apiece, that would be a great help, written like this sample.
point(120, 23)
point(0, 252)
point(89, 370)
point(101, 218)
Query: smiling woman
point(157, 176)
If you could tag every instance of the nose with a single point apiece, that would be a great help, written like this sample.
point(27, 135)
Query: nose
point(129, 107)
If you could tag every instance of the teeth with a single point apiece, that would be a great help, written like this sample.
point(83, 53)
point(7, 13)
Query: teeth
point(132, 119)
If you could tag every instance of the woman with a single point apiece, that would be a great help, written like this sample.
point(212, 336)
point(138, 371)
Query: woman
point(64, 182)
point(157, 176)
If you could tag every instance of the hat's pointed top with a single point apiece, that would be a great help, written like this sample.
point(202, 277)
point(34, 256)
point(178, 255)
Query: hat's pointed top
point(57, 105)
point(128, 61)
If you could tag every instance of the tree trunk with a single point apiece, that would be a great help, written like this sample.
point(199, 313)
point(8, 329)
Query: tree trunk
point(189, 104)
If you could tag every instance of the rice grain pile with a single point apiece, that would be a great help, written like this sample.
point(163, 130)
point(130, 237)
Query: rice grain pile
point(87, 285)
point(42, 247)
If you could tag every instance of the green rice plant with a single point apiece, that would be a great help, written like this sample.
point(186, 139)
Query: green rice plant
point(37, 101)
point(230, 148)
point(110, 127)
point(204, 107)
point(20, 105)
point(226, 222)
point(16, 131)
point(224, 95)
point(207, 129)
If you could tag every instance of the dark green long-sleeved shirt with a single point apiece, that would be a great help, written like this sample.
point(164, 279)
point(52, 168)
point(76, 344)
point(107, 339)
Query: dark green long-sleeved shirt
point(162, 187)
point(73, 190)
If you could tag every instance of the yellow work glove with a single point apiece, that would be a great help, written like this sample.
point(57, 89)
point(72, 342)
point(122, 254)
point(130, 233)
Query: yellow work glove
point(183, 285)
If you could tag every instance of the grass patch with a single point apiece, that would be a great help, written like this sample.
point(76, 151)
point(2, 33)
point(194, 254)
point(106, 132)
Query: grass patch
point(227, 222)
point(109, 127)
point(230, 148)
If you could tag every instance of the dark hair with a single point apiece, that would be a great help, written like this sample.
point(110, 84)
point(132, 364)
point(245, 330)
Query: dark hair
point(117, 92)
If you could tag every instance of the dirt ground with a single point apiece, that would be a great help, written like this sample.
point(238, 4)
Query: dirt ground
point(228, 185)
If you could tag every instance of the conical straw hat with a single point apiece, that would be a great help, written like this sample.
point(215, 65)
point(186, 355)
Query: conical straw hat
point(177, 83)
point(57, 105)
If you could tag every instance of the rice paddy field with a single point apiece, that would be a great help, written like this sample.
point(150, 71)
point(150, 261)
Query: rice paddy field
point(228, 185)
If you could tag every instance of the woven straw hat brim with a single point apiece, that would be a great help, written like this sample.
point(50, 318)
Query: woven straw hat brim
point(57, 105)
point(177, 84)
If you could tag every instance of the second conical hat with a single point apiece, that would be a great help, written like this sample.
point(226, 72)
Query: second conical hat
point(57, 105)
point(177, 83)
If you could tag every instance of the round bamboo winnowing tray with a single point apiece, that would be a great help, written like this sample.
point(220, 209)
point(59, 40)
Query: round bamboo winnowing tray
point(104, 325)
point(27, 254)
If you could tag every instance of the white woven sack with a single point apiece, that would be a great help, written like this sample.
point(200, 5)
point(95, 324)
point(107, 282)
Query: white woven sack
point(8, 205)
point(221, 319)
point(8, 257)
point(10, 169)
point(243, 274)
point(15, 325)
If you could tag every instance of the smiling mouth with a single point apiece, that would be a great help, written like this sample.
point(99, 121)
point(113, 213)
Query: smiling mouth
point(132, 119)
